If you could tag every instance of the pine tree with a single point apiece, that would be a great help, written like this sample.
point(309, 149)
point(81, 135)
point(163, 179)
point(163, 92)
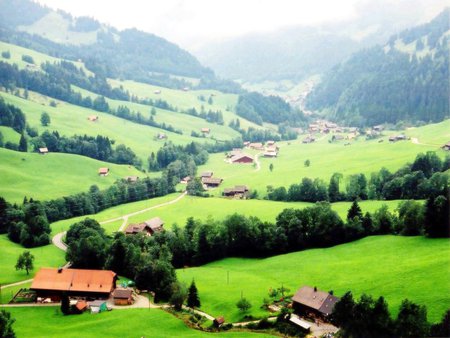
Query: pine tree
point(354, 211)
point(23, 144)
point(193, 300)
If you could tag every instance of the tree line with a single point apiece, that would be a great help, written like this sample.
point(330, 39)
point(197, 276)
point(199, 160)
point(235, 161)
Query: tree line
point(28, 224)
point(370, 318)
point(99, 147)
point(426, 176)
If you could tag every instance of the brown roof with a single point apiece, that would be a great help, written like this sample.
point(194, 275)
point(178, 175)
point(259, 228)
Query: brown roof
point(206, 174)
point(122, 293)
point(256, 145)
point(240, 156)
point(205, 130)
point(135, 228)
point(220, 320)
point(238, 189)
point(211, 180)
point(155, 223)
point(74, 280)
point(103, 170)
point(315, 299)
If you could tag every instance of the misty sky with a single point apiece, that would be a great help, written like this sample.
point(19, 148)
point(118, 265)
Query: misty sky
point(190, 22)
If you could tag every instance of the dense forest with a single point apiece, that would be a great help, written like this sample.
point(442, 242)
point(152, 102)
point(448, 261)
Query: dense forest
point(380, 85)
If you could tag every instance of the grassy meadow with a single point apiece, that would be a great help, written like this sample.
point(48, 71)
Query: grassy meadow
point(395, 267)
point(49, 322)
point(53, 175)
point(9, 135)
point(360, 157)
point(45, 256)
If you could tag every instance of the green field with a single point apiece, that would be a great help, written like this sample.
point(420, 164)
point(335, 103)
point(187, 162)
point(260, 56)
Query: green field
point(9, 135)
point(48, 322)
point(395, 267)
point(48, 255)
point(53, 175)
point(219, 208)
point(69, 120)
point(360, 157)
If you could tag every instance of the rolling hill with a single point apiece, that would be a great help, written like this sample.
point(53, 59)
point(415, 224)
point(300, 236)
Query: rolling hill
point(406, 79)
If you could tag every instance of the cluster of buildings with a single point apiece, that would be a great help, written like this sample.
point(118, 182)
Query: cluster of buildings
point(148, 228)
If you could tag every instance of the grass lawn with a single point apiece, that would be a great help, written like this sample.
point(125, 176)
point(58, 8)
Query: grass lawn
point(53, 175)
point(360, 157)
point(48, 322)
point(395, 267)
point(219, 208)
point(45, 256)
point(9, 135)
point(8, 293)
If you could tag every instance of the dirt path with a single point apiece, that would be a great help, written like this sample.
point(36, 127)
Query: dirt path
point(58, 242)
point(16, 284)
point(258, 164)
point(125, 217)
point(415, 140)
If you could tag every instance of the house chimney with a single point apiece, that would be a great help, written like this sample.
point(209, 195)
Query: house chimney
point(60, 269)
point(315, 289)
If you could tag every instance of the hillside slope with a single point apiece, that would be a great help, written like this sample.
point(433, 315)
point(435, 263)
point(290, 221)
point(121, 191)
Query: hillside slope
point(405, 80)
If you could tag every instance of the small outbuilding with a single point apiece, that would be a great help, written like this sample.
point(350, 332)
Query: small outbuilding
point(219, 321)
point(211, 182)
point(446, 146)
point(239, 191)
point(206, 130)
point(123, 296)
point(103, 171)
point(207, 174)
point(81, 306)
point(43, 151)
point(93, 118)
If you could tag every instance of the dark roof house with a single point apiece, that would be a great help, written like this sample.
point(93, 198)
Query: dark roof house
point(241, 158)
point(148, 227)
point(240, 191)
point(308, 300)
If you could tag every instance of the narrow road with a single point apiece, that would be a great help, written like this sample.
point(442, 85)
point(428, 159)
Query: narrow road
point(125, 217)
point(15, 284)
point(258, 164)
point(58, 242)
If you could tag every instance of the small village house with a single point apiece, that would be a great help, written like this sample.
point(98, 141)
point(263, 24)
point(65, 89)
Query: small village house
point(311, 302)
point(270, 154)
point(157, 91)
point(52, 283)
point(103, 171)
point(211, 182)
point(446, 146)
point(148, 228)
point(239, 191)
point(43, 151)
point(206, 174)
point(256, 146)
point(234, 152)
point(123, 296)
point(242, 158)
point(206, 130)
point(162, 136)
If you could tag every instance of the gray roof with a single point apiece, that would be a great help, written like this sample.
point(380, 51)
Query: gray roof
point(154, 223)
point(315, 299)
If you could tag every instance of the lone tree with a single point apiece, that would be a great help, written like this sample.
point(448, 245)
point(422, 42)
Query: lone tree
point(271, 167)
point(45, 119)
point(354, 211)
point(6, 323)
point(243, 304)
point(65, 304)
point(193, 300)
point(23, 144)
point(25, 262)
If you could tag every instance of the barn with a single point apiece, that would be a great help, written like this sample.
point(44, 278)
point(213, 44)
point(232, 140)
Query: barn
point(242, 158)
point(313, 303)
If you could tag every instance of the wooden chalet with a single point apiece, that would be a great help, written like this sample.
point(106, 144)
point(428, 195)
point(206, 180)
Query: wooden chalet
point(396, 138)
point(207, 174)
point(43, 151)
point(123, 296)
point(234, 152)
point(148, 227)
point(103, 171)
point(93, 118)
point(313, 303)
point(162, 136)
point(239, 191)
point(270, 143)
point(241, 158)
point(52, 283)
point(308, 139)
point(256, 146)
point(132, 179)
point(206, 130)
point(270, 154)
point(211, 182)
point(446, 146)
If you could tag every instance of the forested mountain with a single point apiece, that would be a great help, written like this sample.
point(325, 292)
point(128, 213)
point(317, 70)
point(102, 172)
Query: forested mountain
point(405, 80)
point(108, 52)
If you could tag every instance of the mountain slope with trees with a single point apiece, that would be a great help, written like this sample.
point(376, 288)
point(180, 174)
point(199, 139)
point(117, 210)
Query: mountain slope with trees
point(405, 80)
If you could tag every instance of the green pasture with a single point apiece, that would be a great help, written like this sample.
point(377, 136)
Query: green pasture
point(395, 267)
point(219, 208)
point(8, 293)
point(327, 158)
point(49, 322)
point(45, 256)
point(9, 135)
point(69, 120)
point(53, 175)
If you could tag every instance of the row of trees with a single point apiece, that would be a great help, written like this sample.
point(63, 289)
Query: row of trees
point(262, 135)
point(369, 318)
point(99, 147)
point(210, 115)
point(423, 178)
